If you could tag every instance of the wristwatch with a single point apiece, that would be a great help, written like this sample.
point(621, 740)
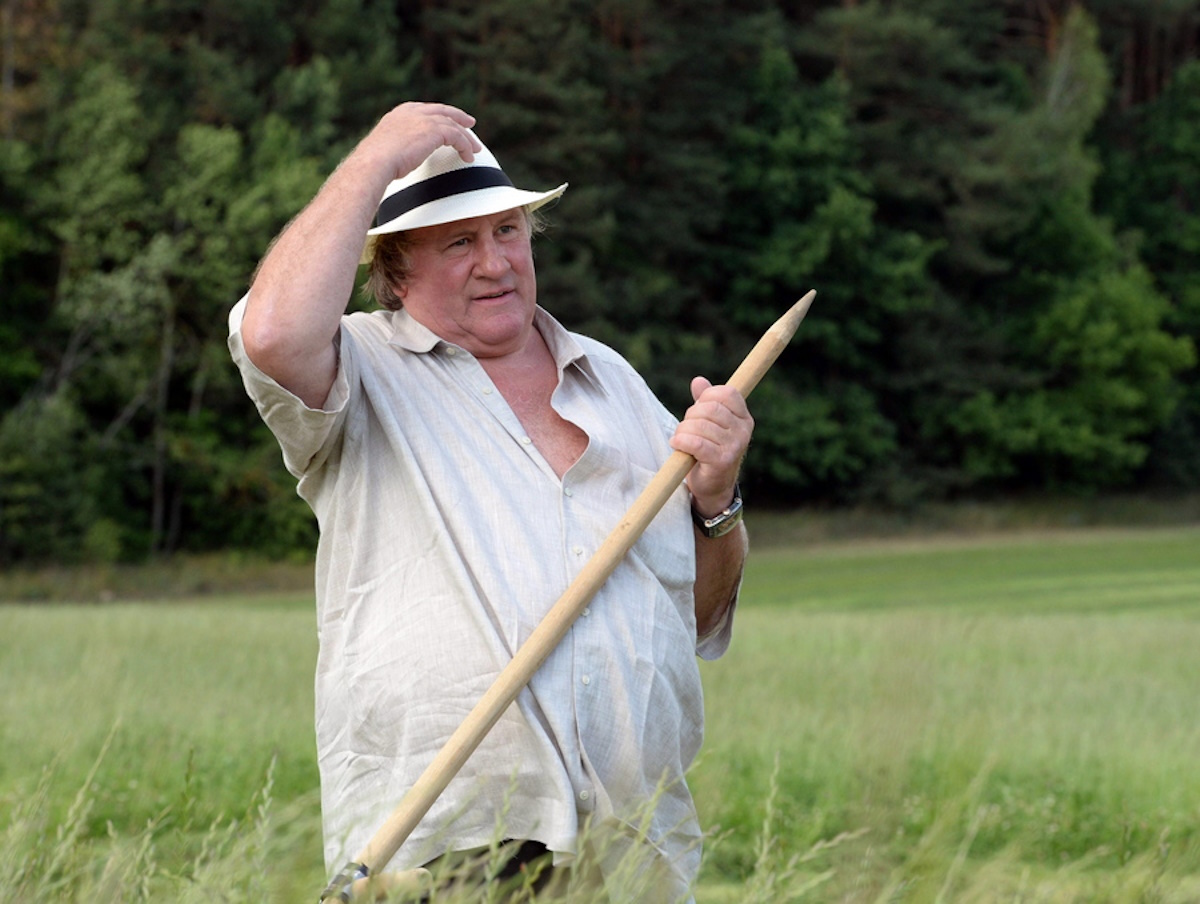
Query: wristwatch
point(723, 522)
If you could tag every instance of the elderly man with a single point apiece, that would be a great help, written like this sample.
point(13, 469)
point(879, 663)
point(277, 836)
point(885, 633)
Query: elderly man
point(464, 455)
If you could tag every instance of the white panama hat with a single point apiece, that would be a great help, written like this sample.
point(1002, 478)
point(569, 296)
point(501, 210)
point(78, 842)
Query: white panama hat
point(445, 188)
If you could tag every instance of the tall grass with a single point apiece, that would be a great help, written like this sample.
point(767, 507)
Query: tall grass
point(1051, 740)
point(203, 693)
point(1005, 709)
point(163, 752)
point(993, 720)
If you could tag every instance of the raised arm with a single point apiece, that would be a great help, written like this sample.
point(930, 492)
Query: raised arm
point(716, 432)
point(303, 284)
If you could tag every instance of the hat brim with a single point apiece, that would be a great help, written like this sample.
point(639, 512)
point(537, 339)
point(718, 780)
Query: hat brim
point(480, 203)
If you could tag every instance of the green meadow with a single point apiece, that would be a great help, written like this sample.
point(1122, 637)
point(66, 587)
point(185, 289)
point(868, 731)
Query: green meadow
point(1013, 717)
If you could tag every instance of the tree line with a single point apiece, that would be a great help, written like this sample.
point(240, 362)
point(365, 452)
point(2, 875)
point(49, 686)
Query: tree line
point(997, 202)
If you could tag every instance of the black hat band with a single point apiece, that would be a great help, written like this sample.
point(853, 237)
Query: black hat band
point(455, 182)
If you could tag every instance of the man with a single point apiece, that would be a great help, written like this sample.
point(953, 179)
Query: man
point(464, 455)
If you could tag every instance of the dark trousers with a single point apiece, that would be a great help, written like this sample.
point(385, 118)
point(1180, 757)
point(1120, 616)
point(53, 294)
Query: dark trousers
point(525, 870)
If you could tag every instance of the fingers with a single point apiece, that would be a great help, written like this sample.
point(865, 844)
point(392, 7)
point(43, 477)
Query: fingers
point(462, 117)
point(409, 133)
point(718, 425)
point(461, 139)
point(716, 432)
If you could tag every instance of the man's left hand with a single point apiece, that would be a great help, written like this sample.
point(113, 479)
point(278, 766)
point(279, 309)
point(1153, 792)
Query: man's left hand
point(716, 432)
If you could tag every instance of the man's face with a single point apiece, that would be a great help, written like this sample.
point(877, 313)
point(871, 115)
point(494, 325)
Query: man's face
point(472, 282)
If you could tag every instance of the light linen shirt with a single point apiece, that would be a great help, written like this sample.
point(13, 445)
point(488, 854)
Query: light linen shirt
point(445, 537)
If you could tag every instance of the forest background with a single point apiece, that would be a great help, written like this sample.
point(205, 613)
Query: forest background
point(998, 203)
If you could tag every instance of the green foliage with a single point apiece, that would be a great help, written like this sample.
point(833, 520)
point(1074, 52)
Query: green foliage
point(99, 193)
point(47, 482)
point(1031, 157)
point(1005, 378)
point(1108, 381)
point(800, 217)
point(984, 196)
point(820, 440)
point(23, 265)
point(155, 242)
point(1151, 185)
point(1108, 367)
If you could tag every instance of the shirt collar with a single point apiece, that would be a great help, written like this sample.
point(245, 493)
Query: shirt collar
point(565, 347)
point(410, 335)
point(414, 337)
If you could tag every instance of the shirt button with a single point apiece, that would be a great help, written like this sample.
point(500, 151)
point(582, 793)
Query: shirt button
point(585, 795)
point(451, 352)
point(487, 390)
point(586, 612)
point(578, 550)
point(586, 679)
point(567, 491)
point(525, 441)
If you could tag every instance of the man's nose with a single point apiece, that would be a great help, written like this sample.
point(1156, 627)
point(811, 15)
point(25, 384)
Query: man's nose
point(491, 259)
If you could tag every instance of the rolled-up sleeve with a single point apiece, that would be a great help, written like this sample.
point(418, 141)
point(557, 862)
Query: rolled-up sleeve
point(305, 434)
point(714, 644)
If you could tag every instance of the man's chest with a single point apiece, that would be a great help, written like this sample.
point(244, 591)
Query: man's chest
point(529, 393)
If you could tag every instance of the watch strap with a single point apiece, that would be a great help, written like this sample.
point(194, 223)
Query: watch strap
point(723, 522)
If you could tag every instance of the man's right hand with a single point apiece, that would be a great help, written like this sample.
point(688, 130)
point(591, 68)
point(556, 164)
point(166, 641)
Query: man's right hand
point(409, 133)
point(303, 284)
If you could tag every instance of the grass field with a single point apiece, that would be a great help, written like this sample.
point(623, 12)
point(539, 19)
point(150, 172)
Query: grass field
point(1006, 718)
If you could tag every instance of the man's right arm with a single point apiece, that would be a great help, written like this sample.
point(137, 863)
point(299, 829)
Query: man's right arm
point(300, 291)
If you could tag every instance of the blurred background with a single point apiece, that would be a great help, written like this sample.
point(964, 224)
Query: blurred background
point(998, 203)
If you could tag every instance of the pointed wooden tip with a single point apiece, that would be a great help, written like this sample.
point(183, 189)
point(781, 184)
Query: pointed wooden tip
point(787, 325)
point(769, 347)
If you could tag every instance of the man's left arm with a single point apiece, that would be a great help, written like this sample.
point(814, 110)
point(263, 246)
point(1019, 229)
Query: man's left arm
point(719, 564)
point(716, 432)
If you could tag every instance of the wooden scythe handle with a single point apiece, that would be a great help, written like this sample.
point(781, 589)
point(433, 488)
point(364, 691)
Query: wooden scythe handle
point(553, 627)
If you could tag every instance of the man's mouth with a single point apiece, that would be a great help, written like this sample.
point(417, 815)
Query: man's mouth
point(493, 296)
